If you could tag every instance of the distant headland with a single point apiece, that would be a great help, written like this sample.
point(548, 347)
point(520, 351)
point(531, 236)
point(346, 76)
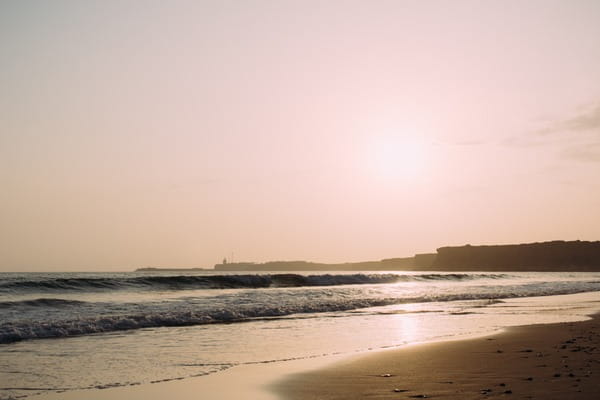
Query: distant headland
point(161, 269)
point(575, 256)
point(546, 256)
point(419, 261)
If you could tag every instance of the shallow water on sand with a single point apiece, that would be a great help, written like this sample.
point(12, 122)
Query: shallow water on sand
point(116, 330)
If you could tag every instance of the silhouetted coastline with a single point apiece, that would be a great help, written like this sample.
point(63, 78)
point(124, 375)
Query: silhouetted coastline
point(161, 269)
point(419, 261)
point(545, 257)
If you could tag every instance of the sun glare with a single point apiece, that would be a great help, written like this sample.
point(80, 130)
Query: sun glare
point(399, 158)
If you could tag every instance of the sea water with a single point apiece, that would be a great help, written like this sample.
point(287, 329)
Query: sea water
point(69, 331)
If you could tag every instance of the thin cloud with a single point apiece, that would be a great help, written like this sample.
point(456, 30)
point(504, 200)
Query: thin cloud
point(588, 152)
point(578, 134)
point(523, 141)
point(587, 121)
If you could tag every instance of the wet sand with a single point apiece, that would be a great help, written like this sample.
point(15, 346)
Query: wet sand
point(558, 361)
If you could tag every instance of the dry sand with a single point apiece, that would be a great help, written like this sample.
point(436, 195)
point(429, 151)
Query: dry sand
point(559, 361)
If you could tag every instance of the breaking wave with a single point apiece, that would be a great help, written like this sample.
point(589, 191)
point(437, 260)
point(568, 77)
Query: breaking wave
point(249, 281)
point(187, 316)
point(57, 303)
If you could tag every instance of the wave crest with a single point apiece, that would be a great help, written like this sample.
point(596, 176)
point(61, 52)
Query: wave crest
point(246, 281)
point(43, 302)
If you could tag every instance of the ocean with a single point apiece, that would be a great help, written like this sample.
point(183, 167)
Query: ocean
point(70, 331)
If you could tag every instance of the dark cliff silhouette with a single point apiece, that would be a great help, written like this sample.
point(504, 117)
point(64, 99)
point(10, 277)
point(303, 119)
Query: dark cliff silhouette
point(546, 256)
point(575, 256)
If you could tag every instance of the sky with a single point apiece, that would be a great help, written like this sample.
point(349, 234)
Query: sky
point(174, 134)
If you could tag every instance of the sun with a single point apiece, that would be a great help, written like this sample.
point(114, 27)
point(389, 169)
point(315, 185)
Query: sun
point(399, 157)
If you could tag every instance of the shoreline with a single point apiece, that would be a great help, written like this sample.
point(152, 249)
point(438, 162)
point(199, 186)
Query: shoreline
point(249, 381)
point(358, 374)
point(542, 361)
point(460, 368)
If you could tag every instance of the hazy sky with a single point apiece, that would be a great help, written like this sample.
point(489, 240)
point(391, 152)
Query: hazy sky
point(154, 133)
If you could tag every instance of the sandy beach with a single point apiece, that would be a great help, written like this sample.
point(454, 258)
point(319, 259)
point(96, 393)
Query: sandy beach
point(558, 361)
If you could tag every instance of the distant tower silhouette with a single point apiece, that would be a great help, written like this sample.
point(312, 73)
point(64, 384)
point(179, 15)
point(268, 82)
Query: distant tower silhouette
point(225, 260)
